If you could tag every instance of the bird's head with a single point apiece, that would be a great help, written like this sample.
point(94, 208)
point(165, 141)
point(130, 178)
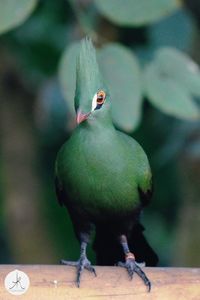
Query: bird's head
point(91, 96)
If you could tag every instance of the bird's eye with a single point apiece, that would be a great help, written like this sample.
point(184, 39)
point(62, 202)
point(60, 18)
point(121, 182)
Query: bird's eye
point(98, 100)
point(101, 96)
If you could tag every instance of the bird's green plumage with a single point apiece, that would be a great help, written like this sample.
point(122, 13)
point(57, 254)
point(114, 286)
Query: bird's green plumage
point(101, 169)
point(98, 166)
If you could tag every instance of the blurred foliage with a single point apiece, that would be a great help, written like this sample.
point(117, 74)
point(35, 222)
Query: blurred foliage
point(143, 51)
point(170, 81)
point(13, 13)
point(136, 12)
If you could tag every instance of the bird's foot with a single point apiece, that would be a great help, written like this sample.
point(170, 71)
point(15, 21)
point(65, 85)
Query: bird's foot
point(81, 264)
point(133, 267)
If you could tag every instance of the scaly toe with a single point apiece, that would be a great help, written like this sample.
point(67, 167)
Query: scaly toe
point(91, 269)
point(133, 267)
point(81, 264)
point(121, 264)
point(68, 263)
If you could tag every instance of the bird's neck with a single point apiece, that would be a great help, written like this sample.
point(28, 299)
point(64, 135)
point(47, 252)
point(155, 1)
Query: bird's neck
point(96, 137)
point(98, 124)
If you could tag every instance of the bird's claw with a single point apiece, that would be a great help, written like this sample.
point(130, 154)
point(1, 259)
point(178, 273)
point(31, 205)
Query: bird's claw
point(81, 264)
point(133, 267)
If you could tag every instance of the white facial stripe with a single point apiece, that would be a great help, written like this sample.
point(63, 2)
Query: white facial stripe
point(94, 102)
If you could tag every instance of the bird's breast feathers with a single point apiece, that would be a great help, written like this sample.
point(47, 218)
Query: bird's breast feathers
point(100, 174)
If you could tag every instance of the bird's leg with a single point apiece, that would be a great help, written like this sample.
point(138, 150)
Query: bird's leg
point(81, 264)
point(130, 264)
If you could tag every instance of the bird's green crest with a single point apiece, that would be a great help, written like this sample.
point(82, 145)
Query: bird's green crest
point(88, 78)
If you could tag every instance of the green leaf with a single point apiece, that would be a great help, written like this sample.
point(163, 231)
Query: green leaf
point(67, 74)
point(14, 12)
point(121, 71)
point(122, 75)
point(181, 68)
point(136, 12)
point(168, 95)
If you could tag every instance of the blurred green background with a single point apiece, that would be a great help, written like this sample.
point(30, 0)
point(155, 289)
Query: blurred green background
point(149, 53)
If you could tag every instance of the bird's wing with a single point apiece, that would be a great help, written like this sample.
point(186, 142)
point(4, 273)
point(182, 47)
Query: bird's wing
point(144, 175)
point(59, 192)
point(60, 189)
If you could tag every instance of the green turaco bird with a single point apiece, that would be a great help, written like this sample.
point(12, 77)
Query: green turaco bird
point(102, 175)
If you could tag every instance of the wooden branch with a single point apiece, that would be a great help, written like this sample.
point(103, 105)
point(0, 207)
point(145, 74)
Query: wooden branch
point(57, 283)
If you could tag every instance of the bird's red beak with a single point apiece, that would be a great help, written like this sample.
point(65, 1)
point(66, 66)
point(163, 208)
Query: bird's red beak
point(80, 117)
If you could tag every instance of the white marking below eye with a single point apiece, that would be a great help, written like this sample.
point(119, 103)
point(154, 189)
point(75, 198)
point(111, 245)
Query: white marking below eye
point(94, 102)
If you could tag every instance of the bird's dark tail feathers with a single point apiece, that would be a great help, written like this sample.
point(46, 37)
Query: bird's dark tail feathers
point(108, 250)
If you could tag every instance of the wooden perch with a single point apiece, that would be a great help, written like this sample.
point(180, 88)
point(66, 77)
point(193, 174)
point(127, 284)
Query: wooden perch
point(57, 283)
